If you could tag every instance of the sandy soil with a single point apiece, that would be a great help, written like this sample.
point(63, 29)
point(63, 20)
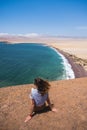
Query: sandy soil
point(68, 96)
point(77, 47)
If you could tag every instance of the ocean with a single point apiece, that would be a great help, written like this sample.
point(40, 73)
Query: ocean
point(21, 63)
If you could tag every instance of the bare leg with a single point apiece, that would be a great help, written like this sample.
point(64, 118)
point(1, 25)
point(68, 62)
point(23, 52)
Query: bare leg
point(29, 117)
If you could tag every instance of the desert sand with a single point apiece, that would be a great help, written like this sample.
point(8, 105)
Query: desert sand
point(68, 96)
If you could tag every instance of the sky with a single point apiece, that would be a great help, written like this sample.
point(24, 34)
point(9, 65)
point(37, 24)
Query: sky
point(44, 17)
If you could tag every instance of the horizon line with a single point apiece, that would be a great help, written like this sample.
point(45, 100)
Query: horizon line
point(36, 35)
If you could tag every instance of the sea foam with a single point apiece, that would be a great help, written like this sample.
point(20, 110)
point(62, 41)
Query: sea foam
point(67, 67)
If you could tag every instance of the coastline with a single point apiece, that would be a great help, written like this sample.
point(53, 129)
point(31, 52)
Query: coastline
point(77, 64)
point(67, 66)
point(78, 69)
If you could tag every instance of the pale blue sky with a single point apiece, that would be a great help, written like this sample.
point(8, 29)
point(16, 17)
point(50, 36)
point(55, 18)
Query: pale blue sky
point(52, 17)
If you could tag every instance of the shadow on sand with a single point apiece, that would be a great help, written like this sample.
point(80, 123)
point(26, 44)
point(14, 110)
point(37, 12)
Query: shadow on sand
point(46, 109)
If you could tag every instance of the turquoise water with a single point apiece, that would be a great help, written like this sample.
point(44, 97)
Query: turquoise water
point(21, 63)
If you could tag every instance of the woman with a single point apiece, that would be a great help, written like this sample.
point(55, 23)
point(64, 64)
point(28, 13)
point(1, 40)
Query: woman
point(39, 96)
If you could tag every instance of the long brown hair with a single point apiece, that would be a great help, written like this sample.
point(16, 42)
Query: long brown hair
point(42, 85)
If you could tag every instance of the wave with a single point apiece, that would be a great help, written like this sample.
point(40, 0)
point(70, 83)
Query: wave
point(67, 67)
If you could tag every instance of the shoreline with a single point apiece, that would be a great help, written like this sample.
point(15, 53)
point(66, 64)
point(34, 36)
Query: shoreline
point(78, 69)
point(67, 66)
point(76, 66)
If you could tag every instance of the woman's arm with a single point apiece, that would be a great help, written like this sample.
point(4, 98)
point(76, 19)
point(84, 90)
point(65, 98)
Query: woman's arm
point(49, 102)
point(51, 105)
point(32, 107)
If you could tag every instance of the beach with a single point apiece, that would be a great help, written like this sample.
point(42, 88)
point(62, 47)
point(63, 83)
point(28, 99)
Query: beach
point(75, 49)
point(78, 65)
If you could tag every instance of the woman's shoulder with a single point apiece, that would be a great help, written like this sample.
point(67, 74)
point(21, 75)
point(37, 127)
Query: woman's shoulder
point(34, 90)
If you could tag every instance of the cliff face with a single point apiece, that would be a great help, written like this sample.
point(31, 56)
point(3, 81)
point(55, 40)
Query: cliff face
point(68, 96)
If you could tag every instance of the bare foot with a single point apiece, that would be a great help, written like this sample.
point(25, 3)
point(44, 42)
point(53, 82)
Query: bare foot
point(28, 118)
point(54, 110)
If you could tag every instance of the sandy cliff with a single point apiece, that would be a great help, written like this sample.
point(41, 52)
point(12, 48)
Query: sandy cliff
point(69, 97)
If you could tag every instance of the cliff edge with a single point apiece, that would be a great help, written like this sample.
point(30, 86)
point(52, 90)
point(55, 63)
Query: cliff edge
point(68, 96)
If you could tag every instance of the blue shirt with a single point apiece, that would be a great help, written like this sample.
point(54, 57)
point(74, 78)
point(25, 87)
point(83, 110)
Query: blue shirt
point(38, 98)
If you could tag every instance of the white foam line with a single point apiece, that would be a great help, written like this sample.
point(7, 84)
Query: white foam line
point(68, 68)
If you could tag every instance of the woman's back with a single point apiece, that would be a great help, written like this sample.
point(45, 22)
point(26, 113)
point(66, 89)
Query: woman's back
point(38, 97)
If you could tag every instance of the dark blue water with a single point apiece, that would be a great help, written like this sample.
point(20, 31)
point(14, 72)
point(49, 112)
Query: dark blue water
point(21, 63)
